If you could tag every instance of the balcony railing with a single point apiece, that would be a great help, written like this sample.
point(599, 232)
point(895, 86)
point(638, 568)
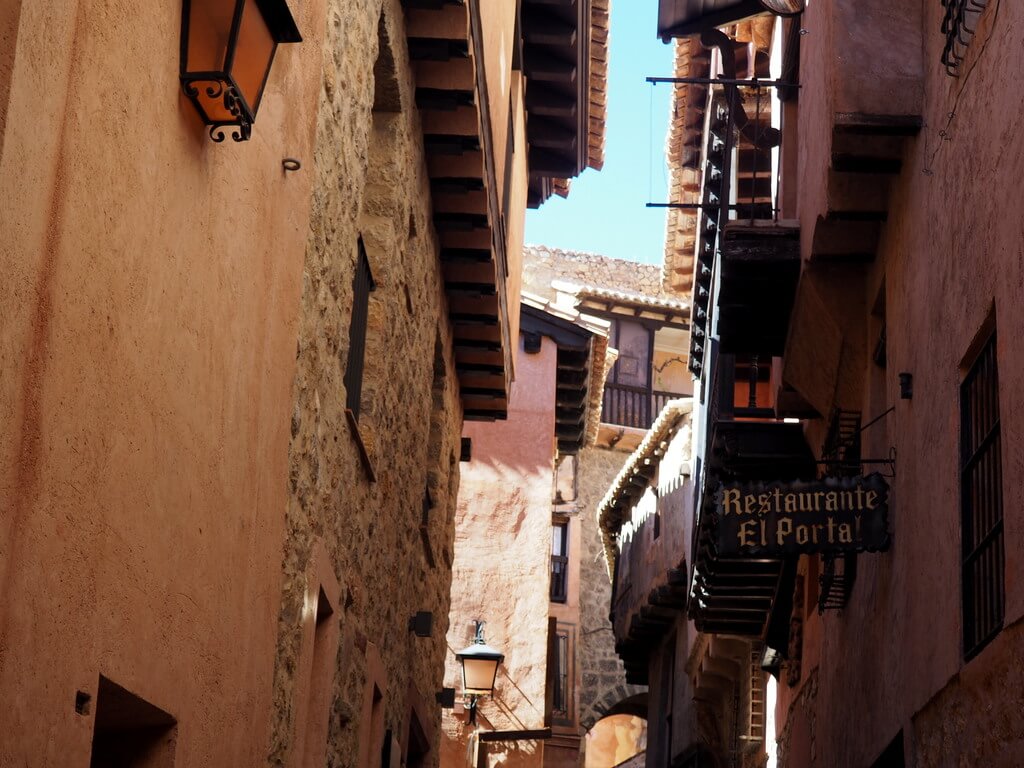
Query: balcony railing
point(637, 407)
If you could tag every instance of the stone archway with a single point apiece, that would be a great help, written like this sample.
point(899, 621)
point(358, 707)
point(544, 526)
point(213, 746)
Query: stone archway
point(620, 699)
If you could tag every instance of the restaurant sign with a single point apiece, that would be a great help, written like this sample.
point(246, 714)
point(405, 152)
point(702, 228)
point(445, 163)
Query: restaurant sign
point(834, 514)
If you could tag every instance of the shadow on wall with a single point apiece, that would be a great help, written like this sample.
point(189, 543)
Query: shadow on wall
point(614, 740)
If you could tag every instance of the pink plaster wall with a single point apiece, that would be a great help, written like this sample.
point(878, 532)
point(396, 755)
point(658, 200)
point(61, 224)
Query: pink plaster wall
point(149, 302)
point(503, 543)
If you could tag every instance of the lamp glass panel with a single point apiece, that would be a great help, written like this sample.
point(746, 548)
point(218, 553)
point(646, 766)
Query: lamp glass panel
point(253, 55)
point(209, 28)
point(478, 675)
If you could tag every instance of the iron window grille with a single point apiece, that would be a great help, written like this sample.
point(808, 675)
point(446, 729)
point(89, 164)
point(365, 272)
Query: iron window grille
point(981, 503)
point(958, 25)
point(559, 562)
point(362, 285)
point(560, 706)
point(841, 454)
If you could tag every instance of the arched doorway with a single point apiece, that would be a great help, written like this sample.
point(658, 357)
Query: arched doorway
point(616, 740)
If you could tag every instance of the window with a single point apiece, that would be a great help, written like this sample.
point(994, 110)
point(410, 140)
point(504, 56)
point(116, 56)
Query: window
point(130, 732)
point(560, 673)
point(361, 287)
point(627, 393)
point(371, 724)
point(892, 757)
point(321, 682)
point(561, 706)
point(559, 562)
point(981, 503)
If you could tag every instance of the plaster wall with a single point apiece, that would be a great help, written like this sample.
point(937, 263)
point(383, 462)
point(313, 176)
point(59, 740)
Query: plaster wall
point(672, 725)
point(505, 88)
point(859, 63)
point(9, 15)
point(615, 739)
point(949, 253)
point(150, 308)
point(503, 541)
point(515, 221)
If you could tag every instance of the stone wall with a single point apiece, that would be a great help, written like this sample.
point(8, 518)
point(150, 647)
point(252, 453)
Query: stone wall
point(370, 182)
point(602, 674)
point(541, 265)
point(948, 730)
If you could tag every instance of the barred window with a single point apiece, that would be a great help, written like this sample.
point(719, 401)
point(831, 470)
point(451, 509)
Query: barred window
point(560, 708)
point(559, 562)
point(362, 284)
point(981, 503)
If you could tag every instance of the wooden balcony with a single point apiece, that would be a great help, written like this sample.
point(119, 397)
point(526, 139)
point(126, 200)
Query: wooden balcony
point(635, 407)
point(759, 269)
point(745, 596)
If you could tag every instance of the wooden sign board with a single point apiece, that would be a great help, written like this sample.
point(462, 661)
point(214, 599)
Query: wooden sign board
point(834, 514)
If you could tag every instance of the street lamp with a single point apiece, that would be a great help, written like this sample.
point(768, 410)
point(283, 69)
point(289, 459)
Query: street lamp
point(227, 47)
point(479, 668)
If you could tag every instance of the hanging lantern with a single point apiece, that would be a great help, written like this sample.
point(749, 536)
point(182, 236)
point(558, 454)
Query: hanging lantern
point(479, 665)
point(227, 49)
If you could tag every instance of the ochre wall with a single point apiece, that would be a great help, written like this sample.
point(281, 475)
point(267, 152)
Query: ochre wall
point(504, 513)
point(150, 306)
point(951, 250)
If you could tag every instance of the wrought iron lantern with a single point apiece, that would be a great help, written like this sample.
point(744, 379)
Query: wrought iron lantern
point(227, 48)
point(479, 669)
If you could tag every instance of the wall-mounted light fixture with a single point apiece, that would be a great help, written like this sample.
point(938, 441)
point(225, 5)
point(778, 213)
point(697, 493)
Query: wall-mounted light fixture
point(227, 47)
point(421, 623)
point(479, 668)
point(906, 386)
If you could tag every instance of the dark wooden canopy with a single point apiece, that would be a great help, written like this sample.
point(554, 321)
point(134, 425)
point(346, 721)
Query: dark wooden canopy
point(746, 596)
point(759, 269)
point(572, 380)
point(445, 43)
point(680, 18)
point(556, 62)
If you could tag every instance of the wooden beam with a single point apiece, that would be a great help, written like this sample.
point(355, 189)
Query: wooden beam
point(550, 101)
point(444, 99)
point(531, 735)
point(541, 66)
point(547, 29)
point(550, 134)
point(437, 49)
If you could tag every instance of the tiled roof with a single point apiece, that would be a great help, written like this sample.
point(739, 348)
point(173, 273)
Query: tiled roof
point(609, 517)
point(600, 11)
point(623, 297)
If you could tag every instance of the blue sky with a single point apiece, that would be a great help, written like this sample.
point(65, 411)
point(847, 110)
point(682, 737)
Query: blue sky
point(605, 212)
